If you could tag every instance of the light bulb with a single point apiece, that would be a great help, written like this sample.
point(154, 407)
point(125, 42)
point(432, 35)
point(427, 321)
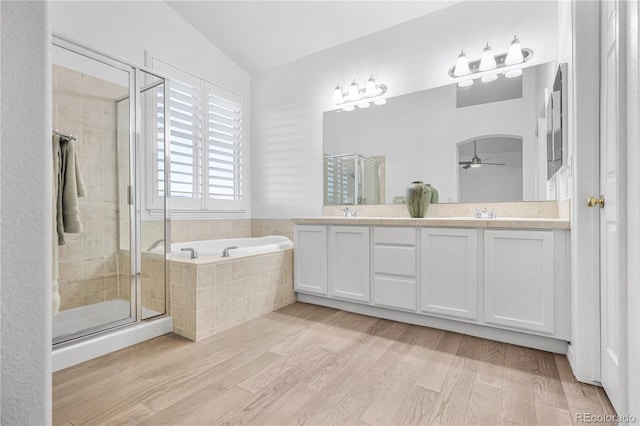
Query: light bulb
point(465, 83)
point(380, 101)
point(476, 165)
point(348, 108)
point(488, 78)
point(462, 65)
point(514, 55)
point(513, 73)
point(487, 62)
point(363, 104)
point(354, 91)
point(337, 95)
point(371, 89)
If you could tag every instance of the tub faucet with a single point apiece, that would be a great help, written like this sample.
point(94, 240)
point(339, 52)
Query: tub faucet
point(194, 253)
point(225, 252)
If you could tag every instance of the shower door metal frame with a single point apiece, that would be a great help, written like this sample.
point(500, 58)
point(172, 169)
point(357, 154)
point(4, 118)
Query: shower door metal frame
point(134, 201)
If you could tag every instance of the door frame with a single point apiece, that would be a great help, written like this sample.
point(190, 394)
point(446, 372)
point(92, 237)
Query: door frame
point(632, 38)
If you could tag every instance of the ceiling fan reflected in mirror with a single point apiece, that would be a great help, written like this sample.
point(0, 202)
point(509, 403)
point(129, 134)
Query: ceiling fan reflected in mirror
point(477, 161)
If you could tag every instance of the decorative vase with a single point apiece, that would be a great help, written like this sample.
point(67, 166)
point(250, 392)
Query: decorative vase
point(435, 196)
point(418, 199)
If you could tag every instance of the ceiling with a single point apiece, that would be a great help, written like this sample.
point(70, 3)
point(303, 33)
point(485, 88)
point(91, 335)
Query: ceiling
point(259, 35)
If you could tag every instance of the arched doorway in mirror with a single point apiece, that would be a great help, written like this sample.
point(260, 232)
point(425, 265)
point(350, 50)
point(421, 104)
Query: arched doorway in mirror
point(490, 169)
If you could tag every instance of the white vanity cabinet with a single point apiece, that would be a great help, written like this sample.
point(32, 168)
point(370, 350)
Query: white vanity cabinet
point(524, 282)
point(349, 262)
point(395, 269)
point(449, 264)
point(510, 284)
point(310, 259)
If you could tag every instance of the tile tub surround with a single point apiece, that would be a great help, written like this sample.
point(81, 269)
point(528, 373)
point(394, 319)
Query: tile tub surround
point(266, 227)
point(208, 229)
point(209, 295)
point(520, 209)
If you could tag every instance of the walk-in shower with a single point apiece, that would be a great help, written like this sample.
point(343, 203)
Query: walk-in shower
point(115, 111)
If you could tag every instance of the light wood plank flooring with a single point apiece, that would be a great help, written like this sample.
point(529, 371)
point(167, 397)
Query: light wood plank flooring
point(307, 364)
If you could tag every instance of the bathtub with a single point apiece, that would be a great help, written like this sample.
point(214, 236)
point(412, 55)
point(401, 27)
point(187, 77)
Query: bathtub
point(246, 247)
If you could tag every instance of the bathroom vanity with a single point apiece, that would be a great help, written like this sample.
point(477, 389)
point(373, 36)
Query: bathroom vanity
point(503, 279)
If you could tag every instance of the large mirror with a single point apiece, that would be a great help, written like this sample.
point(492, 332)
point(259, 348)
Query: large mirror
point(483, 143)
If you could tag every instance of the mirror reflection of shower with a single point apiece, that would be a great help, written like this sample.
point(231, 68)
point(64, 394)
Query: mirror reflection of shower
point(353, 179)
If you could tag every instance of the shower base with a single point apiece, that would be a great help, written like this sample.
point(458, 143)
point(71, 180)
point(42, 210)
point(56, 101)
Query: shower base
point(74, 320)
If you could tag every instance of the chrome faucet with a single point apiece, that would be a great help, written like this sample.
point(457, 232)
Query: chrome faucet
point(225, 252)
point(484, 213)
point(350, 213)
point(194, 253)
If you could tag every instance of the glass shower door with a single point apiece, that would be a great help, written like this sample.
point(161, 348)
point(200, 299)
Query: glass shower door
point(113, 268)
point(92, 112)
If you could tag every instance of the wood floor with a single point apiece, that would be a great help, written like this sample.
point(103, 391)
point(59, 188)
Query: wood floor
point(307, 364)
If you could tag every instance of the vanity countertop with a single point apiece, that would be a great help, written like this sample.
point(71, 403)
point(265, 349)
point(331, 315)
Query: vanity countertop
point(455, 222)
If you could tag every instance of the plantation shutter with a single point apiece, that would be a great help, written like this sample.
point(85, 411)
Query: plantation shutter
point(185, 115)
point(224, 150)
point(207, 148)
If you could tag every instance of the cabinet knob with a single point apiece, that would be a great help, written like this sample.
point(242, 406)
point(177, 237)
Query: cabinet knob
point(593, 201)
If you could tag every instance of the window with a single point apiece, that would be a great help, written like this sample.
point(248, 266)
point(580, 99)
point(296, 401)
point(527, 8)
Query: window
point(207, 149)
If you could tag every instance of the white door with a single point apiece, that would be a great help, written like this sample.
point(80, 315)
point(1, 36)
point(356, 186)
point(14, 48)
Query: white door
point(612, 235)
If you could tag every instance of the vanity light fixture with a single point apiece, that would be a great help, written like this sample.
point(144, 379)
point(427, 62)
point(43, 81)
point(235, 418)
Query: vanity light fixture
point(489, 66)
point(361, 98)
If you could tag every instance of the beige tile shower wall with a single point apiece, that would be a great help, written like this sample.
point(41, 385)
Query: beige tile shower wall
point(264, 227)
point(88, 263)
point(153, 283)
point(207, 299)
point(209, 229)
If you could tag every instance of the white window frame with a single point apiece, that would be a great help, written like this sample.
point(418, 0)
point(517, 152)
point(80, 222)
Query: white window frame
point(204, 206)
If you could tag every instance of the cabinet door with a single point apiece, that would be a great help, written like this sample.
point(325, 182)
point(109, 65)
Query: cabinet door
point(349, 262)
point(519, 279)
point(310, 259)
point(449, 278)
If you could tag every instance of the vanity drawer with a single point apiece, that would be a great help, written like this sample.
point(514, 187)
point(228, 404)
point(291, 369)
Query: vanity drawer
point(394, 293)
point(394, 236)
point(394, 260)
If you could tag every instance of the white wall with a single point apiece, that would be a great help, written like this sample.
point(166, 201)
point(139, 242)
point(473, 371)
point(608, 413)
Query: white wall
point(288, 101)
point(129, 29)
point(26, 215)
